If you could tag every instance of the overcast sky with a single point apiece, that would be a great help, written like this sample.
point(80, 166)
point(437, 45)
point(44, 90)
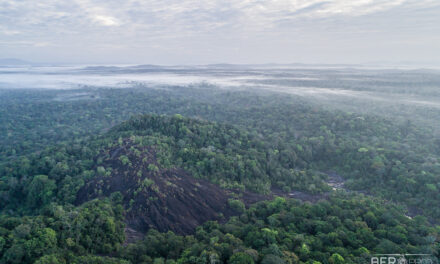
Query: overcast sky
point(220, 31)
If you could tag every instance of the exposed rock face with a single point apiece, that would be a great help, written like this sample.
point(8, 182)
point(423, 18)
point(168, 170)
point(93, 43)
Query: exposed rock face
point(153, 196)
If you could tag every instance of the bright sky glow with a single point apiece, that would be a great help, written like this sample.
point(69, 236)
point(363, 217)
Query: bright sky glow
point(220, 31)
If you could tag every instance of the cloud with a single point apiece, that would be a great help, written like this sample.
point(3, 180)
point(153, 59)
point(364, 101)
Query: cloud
point(25, 43)
point(187, 15)
point(9, 32)
point(106, 20)
point(191, 26)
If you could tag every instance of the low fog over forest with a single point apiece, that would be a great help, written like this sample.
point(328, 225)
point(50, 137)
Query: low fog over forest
point(403, 94)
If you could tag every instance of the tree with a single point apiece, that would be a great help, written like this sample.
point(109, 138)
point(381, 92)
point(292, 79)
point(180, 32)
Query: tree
point(336, 259)
point(15, 254)
point(49, 259)
point(40, 191)
point(236, 205)
point(240, 258)
point(44, 243)
point(272, 259)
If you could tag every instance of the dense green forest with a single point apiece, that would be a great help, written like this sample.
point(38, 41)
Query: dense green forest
point(344, 229)
point(56, 146)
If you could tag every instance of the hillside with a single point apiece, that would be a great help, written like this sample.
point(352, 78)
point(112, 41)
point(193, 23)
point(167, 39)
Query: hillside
point(176, 173)
point(184, 184)
point(155, 197)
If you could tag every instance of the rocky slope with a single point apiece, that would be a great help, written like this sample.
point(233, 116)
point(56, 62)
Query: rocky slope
point(153, 196)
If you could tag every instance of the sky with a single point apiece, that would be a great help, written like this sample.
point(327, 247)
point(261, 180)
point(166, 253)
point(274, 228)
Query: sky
point(170, 32)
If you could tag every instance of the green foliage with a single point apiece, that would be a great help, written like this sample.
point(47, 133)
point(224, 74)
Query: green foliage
point(336, 259)
point(223, 154)
point(362, 150)
point(334, 231)
point(272, 259)
point(124, 159)
point(49, 259)
point(98, 260)
point(304, 137)
point(240, 258)
point(51, 148)
point(40, 191)
point(147, 182)
point(236, 205)
point(152, 167)
point(95, 227)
